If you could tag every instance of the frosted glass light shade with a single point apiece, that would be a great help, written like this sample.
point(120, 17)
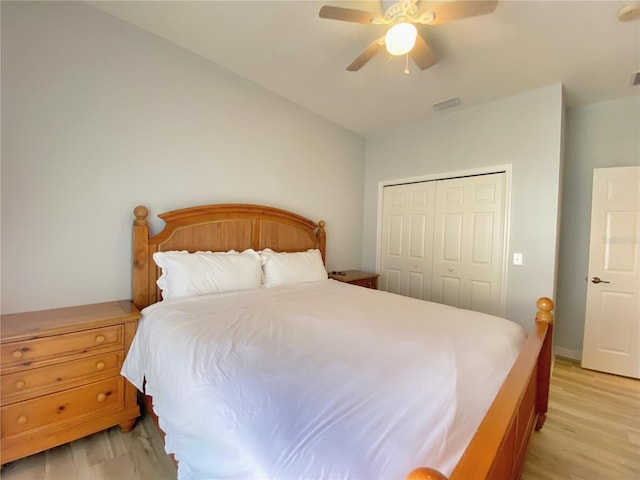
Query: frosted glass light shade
point(400, 38)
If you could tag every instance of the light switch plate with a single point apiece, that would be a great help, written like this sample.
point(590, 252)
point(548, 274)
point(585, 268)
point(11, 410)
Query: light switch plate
point(517, 259)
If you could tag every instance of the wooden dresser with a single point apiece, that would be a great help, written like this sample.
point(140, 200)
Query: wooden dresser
point(61, 375)
point(356, 277)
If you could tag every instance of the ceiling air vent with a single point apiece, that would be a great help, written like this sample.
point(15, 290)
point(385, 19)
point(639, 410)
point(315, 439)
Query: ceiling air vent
point(635, 78)
point(451, 102)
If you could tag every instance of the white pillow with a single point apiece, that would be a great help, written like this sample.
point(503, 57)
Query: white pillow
point(287, 268)
point(187, 274)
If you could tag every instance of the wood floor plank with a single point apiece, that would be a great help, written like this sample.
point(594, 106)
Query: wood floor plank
point(592, 431)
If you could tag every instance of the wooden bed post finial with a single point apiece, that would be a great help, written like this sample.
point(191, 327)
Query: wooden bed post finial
point(141, 260)
point(322, 238)
point(545, 306)
point(424, 473)
point(140, 213)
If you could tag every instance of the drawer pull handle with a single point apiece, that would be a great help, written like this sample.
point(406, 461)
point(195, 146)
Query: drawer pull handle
point(100, 339)
point(17, 354)
point(101, 397)
point(19, 384)
point(22, 419)
point(100, 365)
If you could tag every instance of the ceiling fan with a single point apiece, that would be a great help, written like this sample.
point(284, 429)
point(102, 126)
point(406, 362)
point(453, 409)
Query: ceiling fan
point(402, 16)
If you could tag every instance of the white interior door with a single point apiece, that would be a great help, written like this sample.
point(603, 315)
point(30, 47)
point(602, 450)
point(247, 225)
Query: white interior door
point(468, 251)
point(612, 318)
point(407, 232)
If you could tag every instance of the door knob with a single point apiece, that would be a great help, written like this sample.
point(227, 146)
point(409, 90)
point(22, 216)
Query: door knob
point(597, 280)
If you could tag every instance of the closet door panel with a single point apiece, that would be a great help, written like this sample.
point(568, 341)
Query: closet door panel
point(394, 281)
point(482, 242)
point(452, 237)
point(407, 233)
point(468, 243)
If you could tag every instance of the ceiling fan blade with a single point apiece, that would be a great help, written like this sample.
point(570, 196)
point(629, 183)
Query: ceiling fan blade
point(346, 14)
point(422, 54)
point(373, 48)
point(456, 10)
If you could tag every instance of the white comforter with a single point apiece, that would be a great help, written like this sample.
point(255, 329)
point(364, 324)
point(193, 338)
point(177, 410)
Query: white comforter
point(318, 380)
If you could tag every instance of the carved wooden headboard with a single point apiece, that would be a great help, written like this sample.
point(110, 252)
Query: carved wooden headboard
point(217, 228)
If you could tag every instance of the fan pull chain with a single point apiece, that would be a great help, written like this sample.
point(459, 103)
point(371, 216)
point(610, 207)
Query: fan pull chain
point(406, 65)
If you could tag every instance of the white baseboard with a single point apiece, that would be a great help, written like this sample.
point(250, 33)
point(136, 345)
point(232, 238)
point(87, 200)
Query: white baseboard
point(567, 353)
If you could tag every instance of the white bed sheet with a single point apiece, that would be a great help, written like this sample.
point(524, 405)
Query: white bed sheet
point(318, 380)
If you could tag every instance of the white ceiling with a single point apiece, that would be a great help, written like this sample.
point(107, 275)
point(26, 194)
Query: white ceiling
point(286, 48)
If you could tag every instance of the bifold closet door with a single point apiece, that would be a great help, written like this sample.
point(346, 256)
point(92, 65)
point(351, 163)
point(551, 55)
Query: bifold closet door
point(468, 244)
point(407, 239)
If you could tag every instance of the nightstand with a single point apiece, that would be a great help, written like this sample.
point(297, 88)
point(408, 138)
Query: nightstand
point(61, 375)
point(356, 277)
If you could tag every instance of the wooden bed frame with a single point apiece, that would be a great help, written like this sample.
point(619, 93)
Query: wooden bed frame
point(498, 449)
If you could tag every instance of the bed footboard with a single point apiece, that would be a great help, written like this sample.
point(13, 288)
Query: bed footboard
point(497, 451)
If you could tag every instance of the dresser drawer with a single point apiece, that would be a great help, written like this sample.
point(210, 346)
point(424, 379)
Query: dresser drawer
point(29, 352)
point(66, 405)
point(40, 381)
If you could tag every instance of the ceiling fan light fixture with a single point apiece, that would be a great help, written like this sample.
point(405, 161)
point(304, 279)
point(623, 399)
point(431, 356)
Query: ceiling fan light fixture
point(400, 38)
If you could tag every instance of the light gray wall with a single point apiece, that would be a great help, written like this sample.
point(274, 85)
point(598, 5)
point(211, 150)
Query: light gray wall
point(524, 131)
point(601, 135)
point(99, 116)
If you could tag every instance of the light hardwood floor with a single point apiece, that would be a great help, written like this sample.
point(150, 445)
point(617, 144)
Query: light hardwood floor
point(592, 429)
point(108, 455)
point(592, 432)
